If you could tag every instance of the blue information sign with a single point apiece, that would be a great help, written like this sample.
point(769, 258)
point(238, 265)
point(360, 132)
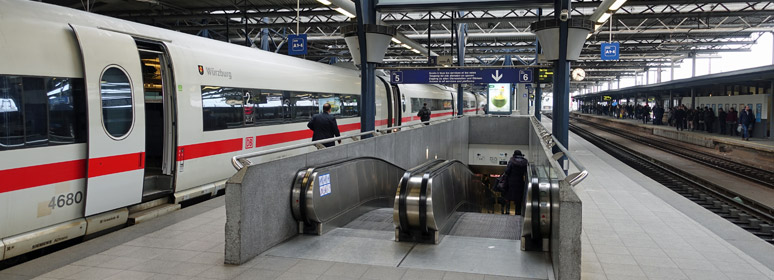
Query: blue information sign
point(611, 51)
point(297, 44)
point(462, 76)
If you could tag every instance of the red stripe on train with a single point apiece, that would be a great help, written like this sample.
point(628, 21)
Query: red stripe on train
point(38, 175)
point(208, 149)
point(116, 164)
point(27, 177)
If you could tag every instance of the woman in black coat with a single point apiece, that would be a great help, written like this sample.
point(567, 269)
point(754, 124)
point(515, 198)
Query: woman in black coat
point(516, 172)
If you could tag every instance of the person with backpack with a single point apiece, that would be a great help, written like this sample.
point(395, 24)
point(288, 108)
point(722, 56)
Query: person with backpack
point(424, 114)
point(511, 183)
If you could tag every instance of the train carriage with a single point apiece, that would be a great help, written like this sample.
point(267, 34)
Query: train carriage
point(98, 114)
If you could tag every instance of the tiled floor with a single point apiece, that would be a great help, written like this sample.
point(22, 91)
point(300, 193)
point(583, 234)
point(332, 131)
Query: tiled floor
point(192, 248)
point(632, 228)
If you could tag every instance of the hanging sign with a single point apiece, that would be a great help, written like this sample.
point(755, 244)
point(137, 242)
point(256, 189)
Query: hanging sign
point(461, 76)
point(610, 51)
point(297, 44)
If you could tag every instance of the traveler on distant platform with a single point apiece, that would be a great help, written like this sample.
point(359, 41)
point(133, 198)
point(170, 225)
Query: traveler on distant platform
point(746, 119)
point(722, 120)
point(680, 115)
point(731, 118)
point(709, 119)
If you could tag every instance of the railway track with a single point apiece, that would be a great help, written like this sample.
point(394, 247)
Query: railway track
point(755, 218)
point(757, 175)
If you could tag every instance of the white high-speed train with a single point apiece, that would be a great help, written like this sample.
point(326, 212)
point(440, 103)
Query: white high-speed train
point(99, 114)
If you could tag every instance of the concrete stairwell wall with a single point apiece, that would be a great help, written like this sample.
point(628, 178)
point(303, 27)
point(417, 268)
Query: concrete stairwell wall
point(258, 196)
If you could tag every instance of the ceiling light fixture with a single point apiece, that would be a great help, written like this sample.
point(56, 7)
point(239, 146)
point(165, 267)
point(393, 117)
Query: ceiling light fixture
point(325, 2)
point(616, 5)
point(344, 12)
point(396, 41)
point(603, 18)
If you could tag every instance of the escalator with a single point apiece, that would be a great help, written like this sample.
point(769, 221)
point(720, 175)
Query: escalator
point(421, 205)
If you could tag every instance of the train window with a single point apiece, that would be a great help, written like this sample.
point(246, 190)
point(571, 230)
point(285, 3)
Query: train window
point(38, 111)
point(35, 112)
point(432, 104)
point(265, 106)
point(11, 121)
point(268, 107)
point(62, 125)
point(305, 105)
point(117, 107)
point(349, 106)
point(222, 108)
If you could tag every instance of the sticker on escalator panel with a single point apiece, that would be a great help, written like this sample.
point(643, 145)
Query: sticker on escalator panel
point(325, 184)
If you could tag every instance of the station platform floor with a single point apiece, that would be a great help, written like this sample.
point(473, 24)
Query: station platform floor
point(766, 144)
point(635, 228)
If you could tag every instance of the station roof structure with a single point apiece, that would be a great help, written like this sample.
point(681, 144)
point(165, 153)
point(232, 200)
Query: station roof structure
point(653, 33)
point(753, 77)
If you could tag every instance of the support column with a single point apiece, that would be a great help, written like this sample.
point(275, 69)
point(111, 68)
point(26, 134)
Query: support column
point(672, 72)
point(561, 120)
point(670, 100)
point(658, 76)
point(538, 90)
point(264, 36)
point(366, 15)
point(461, 33)
point(771, 111)
point(647, 76)
point(693, 98)
point(693, 66)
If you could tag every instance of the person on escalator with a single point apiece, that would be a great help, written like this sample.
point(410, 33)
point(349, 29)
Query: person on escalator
point(516, 172)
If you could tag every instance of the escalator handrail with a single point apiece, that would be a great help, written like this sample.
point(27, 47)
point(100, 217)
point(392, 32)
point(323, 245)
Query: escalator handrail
point(402, 208)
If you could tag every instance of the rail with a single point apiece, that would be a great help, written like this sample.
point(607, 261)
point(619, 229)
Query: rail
point(240, 161)
point(392, 128)
point(574, 178)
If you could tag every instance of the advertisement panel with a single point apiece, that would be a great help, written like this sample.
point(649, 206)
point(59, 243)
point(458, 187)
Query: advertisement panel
point(335, 104)
point(499, 99)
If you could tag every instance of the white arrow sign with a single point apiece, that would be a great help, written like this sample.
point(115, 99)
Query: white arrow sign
point(497, 76)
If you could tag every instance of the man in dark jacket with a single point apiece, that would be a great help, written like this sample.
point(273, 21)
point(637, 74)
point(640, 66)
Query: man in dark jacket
point(424, 114)
point(731, 119)
point(680, 115)
point(746, 118)
point(722, 120)
point(709, 119)
point(324, 126)
point(516, 172)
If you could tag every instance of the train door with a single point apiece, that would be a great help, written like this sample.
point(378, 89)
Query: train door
point(115, 110)
point(454, 102)
point(397, 105)
point(159, 120)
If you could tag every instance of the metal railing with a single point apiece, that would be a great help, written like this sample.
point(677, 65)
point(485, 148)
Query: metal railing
point(240, 161)
point(392, 128)
point(574, 178)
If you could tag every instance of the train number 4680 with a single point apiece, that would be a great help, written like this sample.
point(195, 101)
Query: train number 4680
point(63, 200)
